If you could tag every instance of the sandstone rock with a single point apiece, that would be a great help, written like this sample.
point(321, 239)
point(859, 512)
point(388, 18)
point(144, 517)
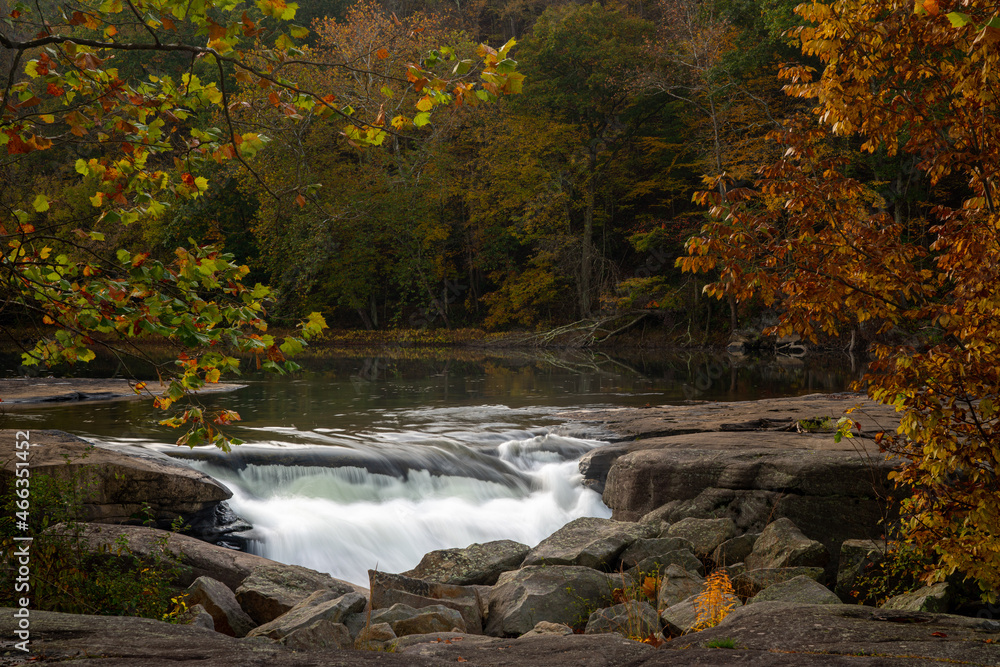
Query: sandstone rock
point(557, 593)
point(476, 564)
point(199, 559)
point(632, 619)
point(322, 634)
point(801, 589)
point(856, 556)
point(929, 598)
point(644, 548)
point(220, 602)
point(375, 636)
point(389, 589)
point(656, 518)
point(117, 485)
point(752, 582)
point(678, 585)
point(588, 542)
point(657, 565)
point(198, 617)
point(271, 591)
point(682, 617)
point(321, 605)
point(705, 534)
point(782, 544)
point(405, 620)
point(734, 550)
point(548, 628)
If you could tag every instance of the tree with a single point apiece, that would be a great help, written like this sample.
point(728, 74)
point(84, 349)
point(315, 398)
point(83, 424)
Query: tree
point(141, 133)
point(917, 82)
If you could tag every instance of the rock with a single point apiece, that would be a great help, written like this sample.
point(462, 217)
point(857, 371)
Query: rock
point(705, 534)
point(682, 617)
point(856, 557)
point(604, 650)
point(632, 619)
point(406, 620)
point(657, 565)
point(476, 564)
point(678, 585)
point(321, 605)
point(322, 634)
point(375, 636)
point(801, 589)
point(839, 634)
point(734, 550)
point(752, 582)
point(782, 544)
point(198, 559)
point(389, 589)
point(556, 593)
point(220, 602)
point(198, 617)
point(548, 628)
point(118, 485)
point(657, 518)
point(651, 548)
point(272, 591)
point(689, 461)
point(929, 598)
point(588, 542)
point(595, 464)
point(458, 638)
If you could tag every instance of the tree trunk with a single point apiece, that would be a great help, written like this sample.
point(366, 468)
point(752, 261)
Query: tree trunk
point(586, 261)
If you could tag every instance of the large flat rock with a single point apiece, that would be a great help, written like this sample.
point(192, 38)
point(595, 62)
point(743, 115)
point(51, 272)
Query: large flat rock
point(116, 485)
point(22, 392)
point(749, 461)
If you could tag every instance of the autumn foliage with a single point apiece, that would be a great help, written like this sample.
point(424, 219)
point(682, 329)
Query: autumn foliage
point(914, 86)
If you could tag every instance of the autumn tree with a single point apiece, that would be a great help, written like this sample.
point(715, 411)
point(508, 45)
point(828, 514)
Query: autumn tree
point(919, 82)
point(140, 135)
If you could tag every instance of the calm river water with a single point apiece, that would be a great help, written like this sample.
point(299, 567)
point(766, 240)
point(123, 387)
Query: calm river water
point(371, 461)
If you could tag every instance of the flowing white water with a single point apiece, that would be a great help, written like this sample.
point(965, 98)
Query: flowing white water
point(421, 480)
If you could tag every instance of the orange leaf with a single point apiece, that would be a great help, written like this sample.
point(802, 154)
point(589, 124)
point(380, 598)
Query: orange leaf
point(382, 54)
point(300, 200)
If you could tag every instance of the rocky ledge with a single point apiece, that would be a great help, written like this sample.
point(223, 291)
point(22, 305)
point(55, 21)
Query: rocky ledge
point(752, 462)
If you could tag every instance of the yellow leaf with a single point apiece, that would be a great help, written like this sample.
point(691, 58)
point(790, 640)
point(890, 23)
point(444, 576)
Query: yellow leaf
point(212, 376)
point(45, 252)
point(97, 199)
point(425, 103)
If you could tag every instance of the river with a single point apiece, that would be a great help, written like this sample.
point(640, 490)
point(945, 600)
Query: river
point(361, 462)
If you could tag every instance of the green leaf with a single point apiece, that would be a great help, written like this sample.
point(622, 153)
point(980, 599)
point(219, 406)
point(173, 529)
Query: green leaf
point(422, 119)
point(41, 203)
point(958, 19)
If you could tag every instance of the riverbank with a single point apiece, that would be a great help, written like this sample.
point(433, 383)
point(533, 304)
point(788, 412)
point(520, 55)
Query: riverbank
point(528, 600)
point(32, 391)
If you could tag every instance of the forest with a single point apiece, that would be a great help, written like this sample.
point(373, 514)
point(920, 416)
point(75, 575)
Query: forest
point(193, 169)
point(568, 201)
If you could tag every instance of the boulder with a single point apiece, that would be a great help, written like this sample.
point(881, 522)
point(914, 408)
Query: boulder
point(678, 585)
point(198, 617)
point(645, 548)
point(929, 598)
point(389, 589)
point(375, 637)
point(405, 620)
point(782, 544)
point(548, 628)
point(220, 602)
point(272, 591)
point(657, 565)
point(656, 518)
point(557, 593)
point(801, 589)
point(705, 534)
point(856, 557)
point(121, 484)
point(588, 542)
point(632, 619)
point(751, 582)
point(475, 564)
point(322, 634)
point(198, 559)
point(321, 605)
point(682, 617)
point(734, 550)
